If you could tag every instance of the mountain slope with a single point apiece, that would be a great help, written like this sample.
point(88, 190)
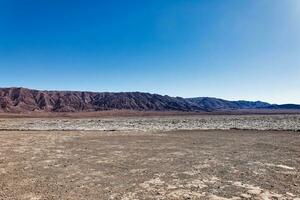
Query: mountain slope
point(21, 100)
point(221, 104)
point(284, 106)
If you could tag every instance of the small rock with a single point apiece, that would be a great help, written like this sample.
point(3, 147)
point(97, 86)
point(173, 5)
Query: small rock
point(247, 196)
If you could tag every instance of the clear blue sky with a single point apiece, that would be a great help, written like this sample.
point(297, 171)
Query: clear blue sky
point(233, 49)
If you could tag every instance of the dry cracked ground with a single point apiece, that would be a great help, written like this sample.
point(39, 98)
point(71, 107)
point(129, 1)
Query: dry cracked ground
point(173, 164)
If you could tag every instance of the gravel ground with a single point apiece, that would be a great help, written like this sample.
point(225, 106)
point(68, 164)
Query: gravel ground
point(183, 157)
point(215, 165)
point(201, 122)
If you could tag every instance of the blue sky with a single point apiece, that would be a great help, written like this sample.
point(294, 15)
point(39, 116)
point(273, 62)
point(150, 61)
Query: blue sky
point(231, 49)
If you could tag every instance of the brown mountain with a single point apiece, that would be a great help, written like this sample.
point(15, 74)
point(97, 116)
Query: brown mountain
point(19, 100)
point(22, 100)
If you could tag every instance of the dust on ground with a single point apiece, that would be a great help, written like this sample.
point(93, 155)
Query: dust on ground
point(212, 164)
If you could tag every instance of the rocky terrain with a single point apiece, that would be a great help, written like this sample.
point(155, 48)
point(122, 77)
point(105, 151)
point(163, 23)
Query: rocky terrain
point(175, 165)
point(154, 123)
point(209, 157)
point(22, 100)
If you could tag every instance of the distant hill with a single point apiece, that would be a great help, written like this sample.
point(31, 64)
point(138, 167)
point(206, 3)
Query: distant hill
point(21, 100)
point(284, 106)
point(221, 104)
point(24, 100)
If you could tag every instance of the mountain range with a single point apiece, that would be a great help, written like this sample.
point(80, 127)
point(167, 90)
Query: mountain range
point(21, 100)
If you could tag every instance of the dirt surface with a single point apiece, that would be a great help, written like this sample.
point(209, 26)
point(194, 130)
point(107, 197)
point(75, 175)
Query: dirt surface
point(155, 123)
point(134, 113)
point(213, 164)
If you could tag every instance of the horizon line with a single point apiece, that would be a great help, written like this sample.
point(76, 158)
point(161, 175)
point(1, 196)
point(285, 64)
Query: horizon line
point(153, 93)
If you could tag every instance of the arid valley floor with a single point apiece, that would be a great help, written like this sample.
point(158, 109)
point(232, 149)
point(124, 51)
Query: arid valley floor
point(184, 157)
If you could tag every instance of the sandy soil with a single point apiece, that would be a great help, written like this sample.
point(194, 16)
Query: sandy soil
point(215, 164)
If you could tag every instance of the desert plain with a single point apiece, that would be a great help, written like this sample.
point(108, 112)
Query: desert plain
point(215, 157)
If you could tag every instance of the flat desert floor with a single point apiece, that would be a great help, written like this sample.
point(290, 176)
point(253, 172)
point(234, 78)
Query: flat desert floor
point(141, 163)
